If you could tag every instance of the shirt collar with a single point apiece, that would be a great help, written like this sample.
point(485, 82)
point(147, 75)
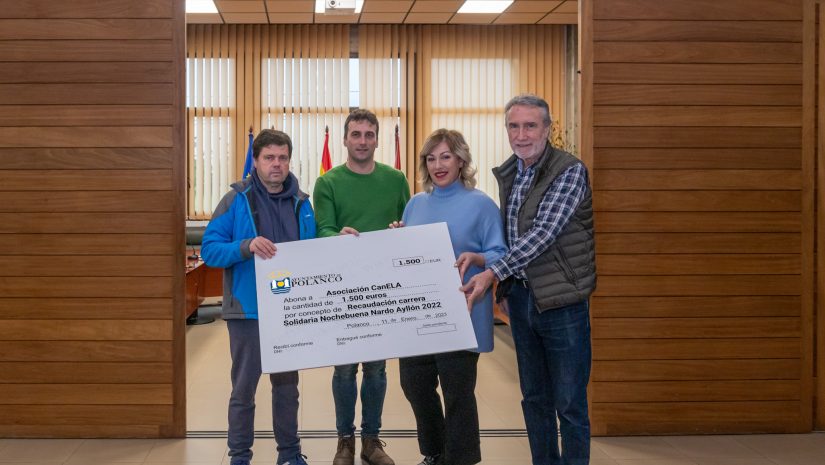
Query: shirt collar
point(531, 168)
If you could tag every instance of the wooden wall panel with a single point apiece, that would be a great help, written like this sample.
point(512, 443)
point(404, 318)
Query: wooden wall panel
point(99, 9)
point(686, 264)
point(767, 116)
point(84, 244)
point(699, 10)
point(92, 72)
point(124, 394)
point(697, 306)
point(56, 373)
point(690, 347)
point(64, 180)
point(94, 308)
point(705, 52)
point(81, 223)
point(720, 243)
point(694, 94)
point(103, 29)
point(83, 94)
point(706, 200)
point(819, 273)
point(756, 180)
point(87, 50)
point(710, 31)
point(697, 158)
point(91, 207)
point(692, 391)
point(86, 201)
point(698, 73)
point(86, 158)
point(698, 417)
point(700, 123)
point(697, 222)
point(86, 115)
point(83, 351)
point(58, 265)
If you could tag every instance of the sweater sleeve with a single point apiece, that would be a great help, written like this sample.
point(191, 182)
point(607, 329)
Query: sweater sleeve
point(405, 195)
point(492, 233)
point(324, 204)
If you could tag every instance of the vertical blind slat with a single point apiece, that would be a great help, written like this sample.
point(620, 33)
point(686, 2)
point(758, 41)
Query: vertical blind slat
point(296, 78)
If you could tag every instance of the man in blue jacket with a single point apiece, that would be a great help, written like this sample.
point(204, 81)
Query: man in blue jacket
point(265, 208)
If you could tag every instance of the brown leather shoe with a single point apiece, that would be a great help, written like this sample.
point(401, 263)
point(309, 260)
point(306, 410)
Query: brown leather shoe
point(346, 451)
point(372, 452)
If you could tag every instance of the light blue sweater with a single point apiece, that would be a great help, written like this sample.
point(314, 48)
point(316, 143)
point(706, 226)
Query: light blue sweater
point(474, 222)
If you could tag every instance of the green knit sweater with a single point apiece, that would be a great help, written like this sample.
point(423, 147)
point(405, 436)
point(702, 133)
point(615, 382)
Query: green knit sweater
point(366, 202)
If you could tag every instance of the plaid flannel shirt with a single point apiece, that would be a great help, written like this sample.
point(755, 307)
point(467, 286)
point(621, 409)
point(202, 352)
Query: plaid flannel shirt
point(558, 205)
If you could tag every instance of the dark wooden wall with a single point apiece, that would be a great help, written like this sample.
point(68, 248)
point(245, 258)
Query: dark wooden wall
point(695, 121)
point(91, 218)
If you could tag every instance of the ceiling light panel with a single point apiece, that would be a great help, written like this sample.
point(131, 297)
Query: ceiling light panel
point(485, 6)
point(201, 6)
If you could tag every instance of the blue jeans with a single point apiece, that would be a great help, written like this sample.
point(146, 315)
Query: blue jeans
point(345, 393)
point(553, 353)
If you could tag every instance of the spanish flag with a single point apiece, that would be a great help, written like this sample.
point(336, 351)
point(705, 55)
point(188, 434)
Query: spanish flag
point(326, 160)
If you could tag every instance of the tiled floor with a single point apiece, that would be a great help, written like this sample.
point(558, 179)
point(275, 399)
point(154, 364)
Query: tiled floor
point(208, 367)
point(500, 415)
point(806, 449)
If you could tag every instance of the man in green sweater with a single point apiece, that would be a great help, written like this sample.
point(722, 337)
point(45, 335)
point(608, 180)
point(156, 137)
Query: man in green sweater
point(359, 196)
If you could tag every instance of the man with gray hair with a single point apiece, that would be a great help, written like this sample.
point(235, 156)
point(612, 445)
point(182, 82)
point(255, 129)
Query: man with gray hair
point(547, 277)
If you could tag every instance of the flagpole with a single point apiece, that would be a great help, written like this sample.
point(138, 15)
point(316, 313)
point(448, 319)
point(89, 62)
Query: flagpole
point(397, 149)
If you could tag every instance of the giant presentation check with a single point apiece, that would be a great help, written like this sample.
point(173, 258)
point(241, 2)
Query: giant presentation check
point(347, 299)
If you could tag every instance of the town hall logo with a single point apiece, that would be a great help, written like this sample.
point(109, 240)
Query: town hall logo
point(281, 282)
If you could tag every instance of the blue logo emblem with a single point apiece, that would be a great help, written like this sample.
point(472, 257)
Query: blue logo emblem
point(280, 286)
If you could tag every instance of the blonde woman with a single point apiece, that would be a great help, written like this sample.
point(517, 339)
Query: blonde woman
point(451, 437)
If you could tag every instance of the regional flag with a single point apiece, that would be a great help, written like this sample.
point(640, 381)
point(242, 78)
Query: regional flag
point(326, 160)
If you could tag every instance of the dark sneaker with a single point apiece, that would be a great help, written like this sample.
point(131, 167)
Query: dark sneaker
point(431, 460)
point(299, 459)
point(239, 462)
point(372, 452)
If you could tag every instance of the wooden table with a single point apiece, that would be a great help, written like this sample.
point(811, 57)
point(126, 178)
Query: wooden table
point(194, 284)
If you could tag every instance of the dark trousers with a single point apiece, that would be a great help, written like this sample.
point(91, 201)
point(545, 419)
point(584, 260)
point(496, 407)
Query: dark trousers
point(553, 353)
point(245, 348)
point(453, 433)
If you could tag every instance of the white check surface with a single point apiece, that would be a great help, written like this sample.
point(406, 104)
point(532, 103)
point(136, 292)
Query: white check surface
point(348, 299)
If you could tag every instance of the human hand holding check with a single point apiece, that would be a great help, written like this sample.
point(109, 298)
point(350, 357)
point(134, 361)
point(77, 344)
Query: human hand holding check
point(262, 247)
point(477, 285)
point(467, 259)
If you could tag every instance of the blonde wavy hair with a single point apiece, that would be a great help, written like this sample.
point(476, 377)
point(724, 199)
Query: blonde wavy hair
point(457, 146)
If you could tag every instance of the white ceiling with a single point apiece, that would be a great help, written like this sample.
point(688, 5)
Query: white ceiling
point(387, 12)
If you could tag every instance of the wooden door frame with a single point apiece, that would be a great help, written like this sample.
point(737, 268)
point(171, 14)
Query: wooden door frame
point(816, 177)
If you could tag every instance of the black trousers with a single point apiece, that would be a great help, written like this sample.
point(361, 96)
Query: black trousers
point(453, 433)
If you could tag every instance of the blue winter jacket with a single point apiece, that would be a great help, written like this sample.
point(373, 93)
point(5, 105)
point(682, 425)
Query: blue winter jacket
point(226, 245)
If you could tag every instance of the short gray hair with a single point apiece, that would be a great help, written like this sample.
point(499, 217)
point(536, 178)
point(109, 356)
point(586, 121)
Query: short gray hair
point(530, 100)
